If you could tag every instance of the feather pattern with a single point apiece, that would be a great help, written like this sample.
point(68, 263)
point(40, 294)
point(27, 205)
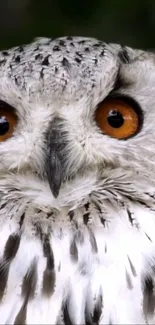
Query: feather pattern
point(93, 264)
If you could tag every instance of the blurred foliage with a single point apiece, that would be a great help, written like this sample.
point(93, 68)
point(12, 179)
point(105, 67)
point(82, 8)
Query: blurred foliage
point(121, 21)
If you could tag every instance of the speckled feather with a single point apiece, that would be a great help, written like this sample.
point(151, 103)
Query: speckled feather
point(85, 255)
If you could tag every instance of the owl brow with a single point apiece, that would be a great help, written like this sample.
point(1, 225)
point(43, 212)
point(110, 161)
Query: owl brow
point(124, 55)
point(120, 82)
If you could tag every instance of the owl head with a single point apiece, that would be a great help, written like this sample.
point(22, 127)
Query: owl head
point(77, 114)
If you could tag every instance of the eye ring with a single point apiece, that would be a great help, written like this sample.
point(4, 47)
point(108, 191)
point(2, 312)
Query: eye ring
point(8, 121)
point(119, 116)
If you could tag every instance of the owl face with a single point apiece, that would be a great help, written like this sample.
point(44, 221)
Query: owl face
point(75, 106)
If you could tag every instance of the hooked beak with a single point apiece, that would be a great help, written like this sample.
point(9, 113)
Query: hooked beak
point(56, 155)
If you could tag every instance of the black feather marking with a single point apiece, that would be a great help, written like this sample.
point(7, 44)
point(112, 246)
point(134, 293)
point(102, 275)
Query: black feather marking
point(148, 296)
point(17, 59)
point(11, 247)
point(62, 43)
point(97, 314)
point(10, 251)
point(88, 320)
point(66, 316)
point(21, 316)
point(42, 73)
point(65, 62)
point(4, 272)
point(131, 219)
point(38, 56)
point(28, 291)
point(73, 250)
point(69, 38)
point(129, 281)
point(79, 237)
point(98, 208)
point(21, 220)
point(5, 53)
point(103, 221)
point(87, 206)
point(78, 60)
point(87, 49)
point(86, 218)
point(49, 276)
point(102, 53)
point(46, 60)
point(86, 214)
point(48, 281)
point(94, 319)
point(93, 241)
point(79, 54)
point(56, 48)
point(3, 205)
point(82, 42)
point(148, 237)
point(30, 281)
point(71, 215)
point(133, 270)
point(2, 62)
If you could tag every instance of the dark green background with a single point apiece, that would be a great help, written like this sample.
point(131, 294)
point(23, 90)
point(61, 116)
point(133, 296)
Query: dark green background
point(123, 21)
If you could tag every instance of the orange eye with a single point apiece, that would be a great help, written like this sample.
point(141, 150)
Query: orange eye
point(8, 121)
point(118, 118)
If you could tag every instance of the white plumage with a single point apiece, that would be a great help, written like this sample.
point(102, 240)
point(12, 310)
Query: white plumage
point(77, 206)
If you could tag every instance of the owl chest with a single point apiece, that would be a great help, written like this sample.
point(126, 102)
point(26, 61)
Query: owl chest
point(88, 266)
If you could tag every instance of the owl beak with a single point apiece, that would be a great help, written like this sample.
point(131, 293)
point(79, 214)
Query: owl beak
point(54, 173)
point(55, 160)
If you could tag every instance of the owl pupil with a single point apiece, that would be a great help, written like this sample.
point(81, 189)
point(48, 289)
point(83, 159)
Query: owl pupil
point(115, 119)
point(4, 125)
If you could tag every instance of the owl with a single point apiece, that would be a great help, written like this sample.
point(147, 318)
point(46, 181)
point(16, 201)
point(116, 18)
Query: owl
point(77, 183)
